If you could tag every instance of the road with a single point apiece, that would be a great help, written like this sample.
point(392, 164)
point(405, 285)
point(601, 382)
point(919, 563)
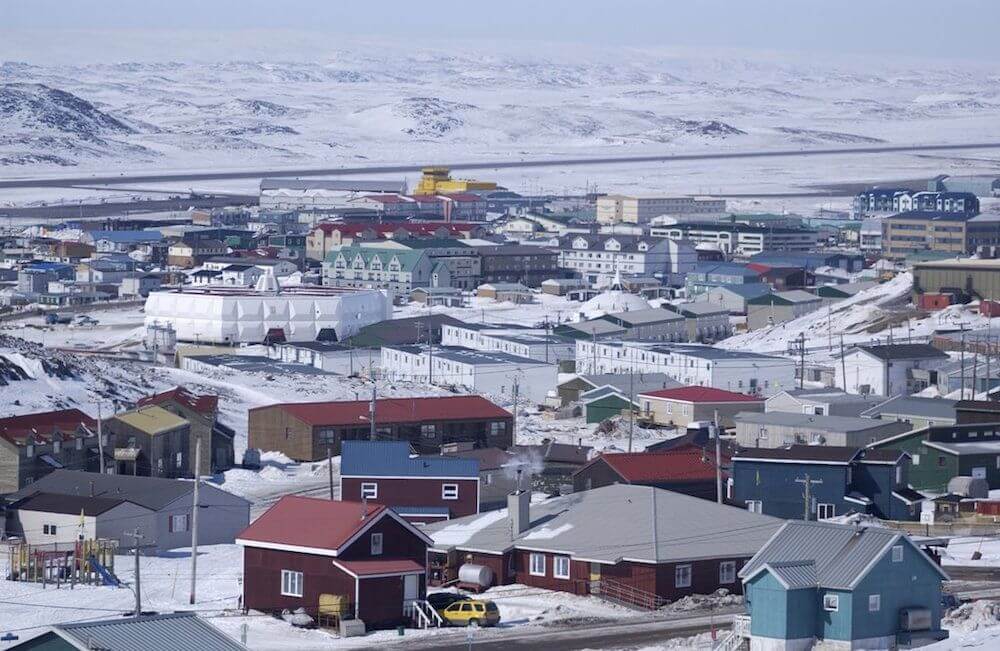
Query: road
point(478, 165)
point(92, 210)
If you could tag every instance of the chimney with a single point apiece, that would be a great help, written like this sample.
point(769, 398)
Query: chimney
point(518, 509)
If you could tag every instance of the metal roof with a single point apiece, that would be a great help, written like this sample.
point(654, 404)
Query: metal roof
point(171, 632)
point(914, 406)
point(975, 447)
point(812, 421)
point(639, 383)
point(70, 504)
point(902, 351)
point(392, 459)
point(644, 317)
point(842, 554)
point(794, 575)
point(152, 419)
point(617, 522)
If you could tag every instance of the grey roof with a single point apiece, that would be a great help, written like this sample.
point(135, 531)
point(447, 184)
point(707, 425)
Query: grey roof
point(903, 351)
point(812, 421)
point(468, 356)
point(710, 352)
point(697, 309)
point(597, 326)
point(70, 504)
point(842, 554)
point(171, 632)
point(832, 396)
point(797, 296)
point(972, 447)
point(343, 185)
point(601, 392)
point(795, 575)
point(914, 406)
point(618, 522)
point(640, 382)
point(151, 492)
point(745, 290)
point(644, 317)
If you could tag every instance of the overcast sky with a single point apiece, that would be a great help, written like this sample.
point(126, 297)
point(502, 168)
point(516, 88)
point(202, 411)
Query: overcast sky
point(959, 29)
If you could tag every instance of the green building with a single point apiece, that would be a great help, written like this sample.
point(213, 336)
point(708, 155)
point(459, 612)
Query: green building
point(603, 403)
point(939, 453)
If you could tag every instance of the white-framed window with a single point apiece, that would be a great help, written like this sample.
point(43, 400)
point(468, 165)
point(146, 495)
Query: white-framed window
point(369, 491)
point(897, 553)
point(376, 544)
point(79, 443)
point(428, 431)
point(824, 511)
point(874, 603)
point(29, 451)
point(560, 567)
point(178, 523)
point(831, 602)
point(56, 445)
point(915, 459)
point(449, 491)
point(49, 529)
point(180, 459)
point(682, 576)
point(755, 506)
point(727, 572)
point(291, 583)
point(536, 564)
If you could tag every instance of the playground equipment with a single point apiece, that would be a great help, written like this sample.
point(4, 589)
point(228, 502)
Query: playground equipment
point(90, 562)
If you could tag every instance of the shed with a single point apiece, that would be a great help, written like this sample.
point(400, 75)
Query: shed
point(168, 632)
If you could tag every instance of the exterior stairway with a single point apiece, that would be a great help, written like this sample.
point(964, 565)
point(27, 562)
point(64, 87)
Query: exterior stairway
point(626, 595)
point(738, 637)
point(422, 614)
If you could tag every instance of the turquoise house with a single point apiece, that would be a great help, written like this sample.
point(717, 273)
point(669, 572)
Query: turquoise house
point(845, 586)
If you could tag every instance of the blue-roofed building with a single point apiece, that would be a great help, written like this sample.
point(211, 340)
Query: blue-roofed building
point(60, 270)
point(707, 275)
point(420, 488)
point(122, 241)
point(839, 587)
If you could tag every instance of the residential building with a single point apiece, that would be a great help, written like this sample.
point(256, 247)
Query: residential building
point(708, 275)
point(617, 208)
point(887, 369)
point(940, 453)
point(438, 296)
point(787, 277)
point(47, 520)
point(942, 232)
point(597, 328)
point(105, 270)
point(411, 330)
point(514, 263)
point(558, 462)
point(870, 235)
point(685, 405)
point(325, 236)
point(506, 292)
point(140, 285)
point(616, 538)
point(188, 254)
point(843, 587)
point(843, 479)
point(120, 241)
point(652, 324)
point(572, 390)
point(307, 431)
point(150, 441)
point(601, 257)
point(462, 261)
point(689, 364)
point(364, 553)
point(688, 470)
point(824, 402)
point(915, 411)
point(33, 445)
point(533, 343)
point(485, 372)
point(780, 307)
point(330, 356)
point(705, 322)
point(202, 413)
point(168, 631)
point(399, 270)
point(162, 508)
point(775, 429)
point(420, 489)
point(278, 268)
point(740, 239)
point(734, 298)
point(849, 262)
point(563, 286)
point(882, 201)
point(606, 402)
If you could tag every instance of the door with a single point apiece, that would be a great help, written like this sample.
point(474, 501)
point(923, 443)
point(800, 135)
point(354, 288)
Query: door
point(595, 578)
point(411, 589)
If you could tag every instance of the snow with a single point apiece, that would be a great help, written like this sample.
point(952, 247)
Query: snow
point(546, 533)
point(459, 533)
point(960, 550)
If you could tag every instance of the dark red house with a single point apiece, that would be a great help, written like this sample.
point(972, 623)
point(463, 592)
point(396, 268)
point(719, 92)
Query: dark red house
point(303, 547)
point(689, 470)
point(421, 489)
point(634, 544)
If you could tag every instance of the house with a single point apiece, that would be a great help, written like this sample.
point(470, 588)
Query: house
point(330, 356)
point(305, 431)
point(941, 452)
point(50, 519)
point(505, 292)
point(202, 413)
point(968, 412)
point(33, 445)
point(847, 587)
point(412, 330)
point(434, 296)
point(558, 462)
point(653, 324)
point(175, 631)
point(780, 307)
point(563, 286)
point(886, 369)
point(120, 241)
point(590, 330)
point(303, 549)
point(606, 402)
point(775, 429)
point(734, 297)
point(150, 441)
point(784, 277)
point(401, 271)
point(139, 285)
point(916, 411)
point(161, 508)
point(516, 263)
point(421, 489)
point(824, 402)
point(599, 257)
point(657, 545)
point(689, 470)
point(707, 275)
point(188, 254)
point(682, 406)
point(705, 322)
point(842, 479)
point(497, 479)
point(573, 389)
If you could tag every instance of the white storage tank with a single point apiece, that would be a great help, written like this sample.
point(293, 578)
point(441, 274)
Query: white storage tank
point(475, 575)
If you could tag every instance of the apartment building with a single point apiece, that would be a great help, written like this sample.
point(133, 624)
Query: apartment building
point(601, 257)
point(618, 208)
point(944, 232)
point(738, 238)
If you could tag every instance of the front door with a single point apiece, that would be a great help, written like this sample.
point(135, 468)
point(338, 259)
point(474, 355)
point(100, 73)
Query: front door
point(411, 589)
point(595, 577)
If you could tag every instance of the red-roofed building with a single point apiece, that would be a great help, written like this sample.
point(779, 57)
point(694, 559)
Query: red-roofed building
point(688, 469)
point(33, 445)
point(201, 411)
point(302, 548)
point(305, 431)
point(683, 405)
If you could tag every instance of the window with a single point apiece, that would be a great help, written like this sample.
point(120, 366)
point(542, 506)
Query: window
point(536, 565)
point(831, 602)
point(428, 431)
point(178, 523)
point(327, 435)
point(369, 491)
point(897, 553)
point(489, 479)
point(29, 451)
point(49, 529)
point(376, 544)
point(159, 465)
point(56, 446)
point(824, 511)
point(560, 567)
point(682, 576)
point(874, 603)
point(449, 491)
point(916, 460)
point(291, 583)
point(727, 572)
point(180, 459)
point(79, 445)
point(755, 506)
point(941, 461)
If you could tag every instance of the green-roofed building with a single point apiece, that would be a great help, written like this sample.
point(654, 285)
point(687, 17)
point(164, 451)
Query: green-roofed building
point(389, 267)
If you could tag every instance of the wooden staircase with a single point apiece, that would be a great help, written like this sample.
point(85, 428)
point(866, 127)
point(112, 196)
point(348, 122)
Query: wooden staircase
point(626, 595)
point(422, 614)
point(738, 637)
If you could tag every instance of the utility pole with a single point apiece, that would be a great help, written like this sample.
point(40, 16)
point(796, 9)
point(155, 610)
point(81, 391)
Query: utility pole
point(138, 585)
point(593, 369)
point(718, 458)
point(546, 339)
point(843, 362)
point(631, 403)
point(961, 394)
point(975, 367)
point(802, 359)
point(194, 518)
point(807, 494)
point(371, 416)
point(100, 437)
point(329, 467)
point(514, 420)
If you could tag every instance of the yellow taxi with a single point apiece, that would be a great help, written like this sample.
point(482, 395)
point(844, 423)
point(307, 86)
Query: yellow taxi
point(471, 612)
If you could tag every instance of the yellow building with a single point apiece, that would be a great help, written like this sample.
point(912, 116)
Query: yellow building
point(437, 180)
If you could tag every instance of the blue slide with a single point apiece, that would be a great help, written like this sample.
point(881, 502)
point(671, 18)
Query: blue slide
point(109, 578)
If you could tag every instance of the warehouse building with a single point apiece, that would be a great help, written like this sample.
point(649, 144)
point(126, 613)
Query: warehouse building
point(975, 278)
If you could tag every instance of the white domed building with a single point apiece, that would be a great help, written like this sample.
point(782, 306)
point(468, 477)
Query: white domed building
point(612, 301)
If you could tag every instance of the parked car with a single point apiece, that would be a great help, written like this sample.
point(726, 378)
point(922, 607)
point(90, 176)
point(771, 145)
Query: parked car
point(471, 612)
point(53, 318)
